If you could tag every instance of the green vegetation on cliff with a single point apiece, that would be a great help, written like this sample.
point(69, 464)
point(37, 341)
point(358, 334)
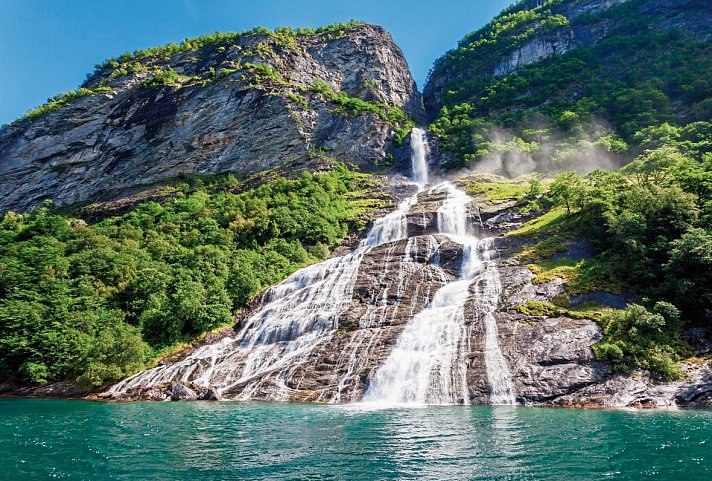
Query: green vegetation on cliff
point(651, 226)
point(572, 109)
point(627, 83)
point(93, 302)
point(283, 36)
point(151, 62)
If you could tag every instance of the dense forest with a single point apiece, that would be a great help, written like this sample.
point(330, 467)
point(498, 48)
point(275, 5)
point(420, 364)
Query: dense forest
point(95, 302)
point(573, 109)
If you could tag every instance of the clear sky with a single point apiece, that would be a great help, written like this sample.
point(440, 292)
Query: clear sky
point(49, 46)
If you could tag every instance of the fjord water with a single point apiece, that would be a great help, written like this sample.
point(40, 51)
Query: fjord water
point(77, 440)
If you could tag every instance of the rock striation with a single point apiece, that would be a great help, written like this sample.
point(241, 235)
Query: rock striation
point(243, 105)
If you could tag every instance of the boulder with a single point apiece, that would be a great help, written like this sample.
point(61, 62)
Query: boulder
point(212, 394)
point(179, 392)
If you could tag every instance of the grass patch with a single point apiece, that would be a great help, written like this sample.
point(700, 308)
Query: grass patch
point(592, 311)
point(299, 100)
point(491, 189)
point(552, 222)
point(580, 276)
point(496, 193)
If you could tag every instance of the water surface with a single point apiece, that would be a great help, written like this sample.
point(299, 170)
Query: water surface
point(75, 440)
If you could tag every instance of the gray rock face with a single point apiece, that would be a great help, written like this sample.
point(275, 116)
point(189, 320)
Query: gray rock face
point(534, 51)
point(102, 145)
point(637, 389)
point(180, 392)
point(692, 17)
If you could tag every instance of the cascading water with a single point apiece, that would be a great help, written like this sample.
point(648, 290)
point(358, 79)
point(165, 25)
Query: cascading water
point(299, 319)
point(487, 291)
point(428, 364)
point(419, 156)
point(297, 316)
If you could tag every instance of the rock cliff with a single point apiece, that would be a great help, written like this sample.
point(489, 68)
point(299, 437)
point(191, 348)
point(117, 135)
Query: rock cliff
point(241, 103)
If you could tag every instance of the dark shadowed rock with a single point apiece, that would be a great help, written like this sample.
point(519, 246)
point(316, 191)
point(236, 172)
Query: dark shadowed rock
point(212, 394)
point(179, 392)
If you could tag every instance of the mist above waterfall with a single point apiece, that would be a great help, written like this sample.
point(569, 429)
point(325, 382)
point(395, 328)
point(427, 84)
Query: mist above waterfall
point(548, 150)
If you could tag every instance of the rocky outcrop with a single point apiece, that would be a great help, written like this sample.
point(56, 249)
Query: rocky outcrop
point(638, 389)
point(585, 28)
point(245, 105)
point(180, 392)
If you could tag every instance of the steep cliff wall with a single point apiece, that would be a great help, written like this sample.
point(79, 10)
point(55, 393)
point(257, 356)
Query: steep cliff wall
point(237, 103)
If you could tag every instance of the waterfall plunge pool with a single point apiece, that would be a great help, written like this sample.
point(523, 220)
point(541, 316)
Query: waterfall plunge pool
point(80, 440)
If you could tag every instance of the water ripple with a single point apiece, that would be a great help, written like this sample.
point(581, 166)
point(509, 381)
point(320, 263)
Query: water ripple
point(43, 439)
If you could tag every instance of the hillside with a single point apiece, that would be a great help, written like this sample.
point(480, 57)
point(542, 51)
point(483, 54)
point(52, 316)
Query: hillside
point(562, 84)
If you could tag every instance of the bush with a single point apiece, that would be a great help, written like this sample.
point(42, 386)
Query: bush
point(636, 337)
point(608, 352)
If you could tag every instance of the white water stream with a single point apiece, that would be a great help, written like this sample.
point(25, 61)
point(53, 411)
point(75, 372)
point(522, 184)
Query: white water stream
point(301, 315)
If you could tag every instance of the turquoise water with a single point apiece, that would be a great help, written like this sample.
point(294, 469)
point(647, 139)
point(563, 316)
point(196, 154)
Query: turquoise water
point(49, 439)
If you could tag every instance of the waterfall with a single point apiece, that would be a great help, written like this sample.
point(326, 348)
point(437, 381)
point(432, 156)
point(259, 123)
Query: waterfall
point(419, 156)
point(428, 364)
point(297, 316)
point(487, 291)
point(299, 319)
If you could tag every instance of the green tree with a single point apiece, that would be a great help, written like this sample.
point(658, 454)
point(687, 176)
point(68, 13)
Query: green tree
point(568, 189)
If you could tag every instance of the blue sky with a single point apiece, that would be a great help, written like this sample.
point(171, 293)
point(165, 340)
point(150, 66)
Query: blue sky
point(49, 46)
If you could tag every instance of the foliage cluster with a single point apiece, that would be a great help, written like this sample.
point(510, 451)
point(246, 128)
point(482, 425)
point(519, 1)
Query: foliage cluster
point(283, 35)
point(636, 337)
point(59, 101)
point(92, 302)
point(651, 224)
